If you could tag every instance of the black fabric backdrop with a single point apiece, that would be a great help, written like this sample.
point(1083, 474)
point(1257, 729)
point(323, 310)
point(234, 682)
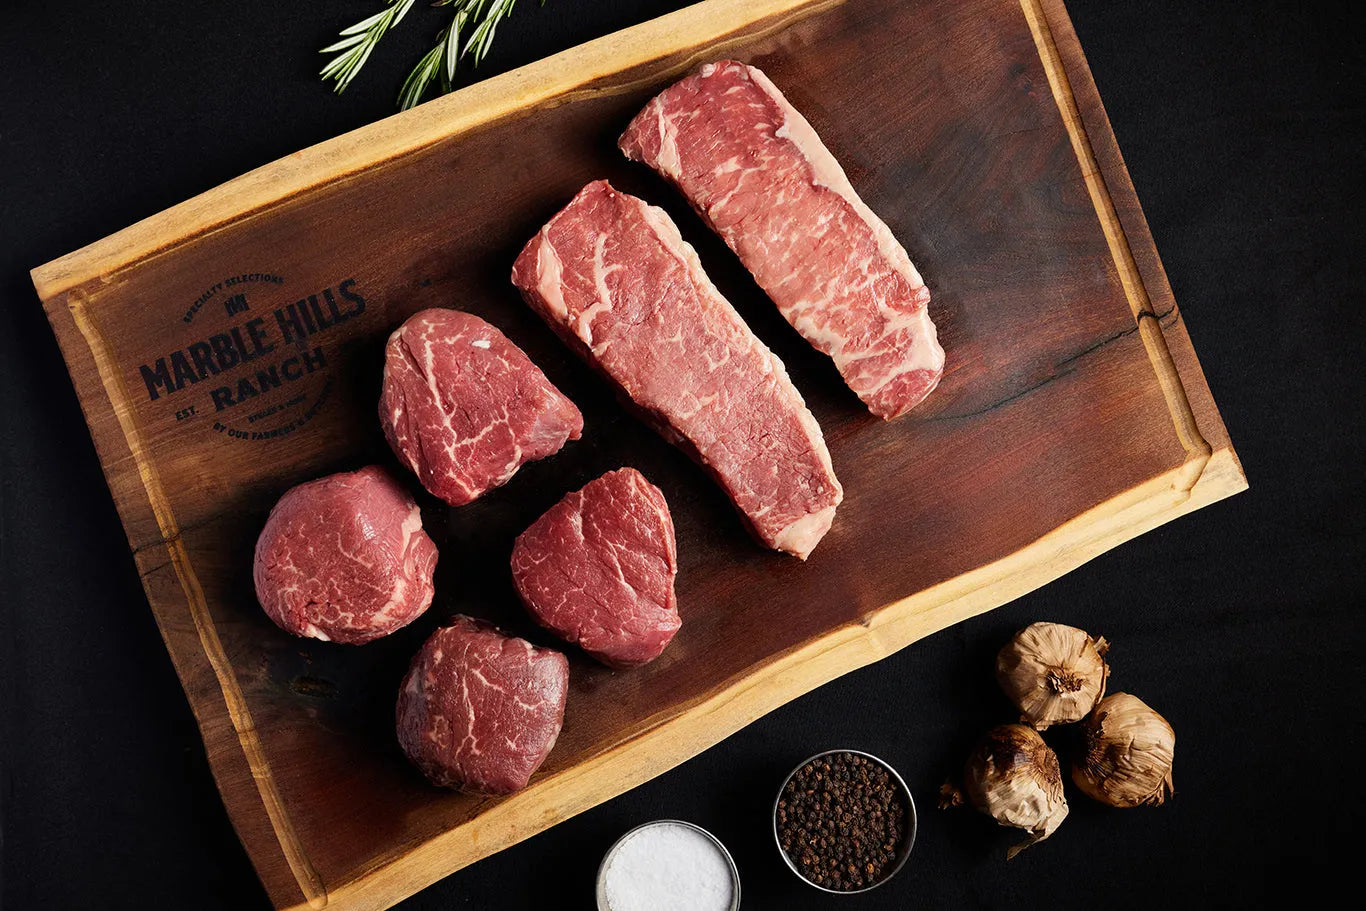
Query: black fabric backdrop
point(1242, 124)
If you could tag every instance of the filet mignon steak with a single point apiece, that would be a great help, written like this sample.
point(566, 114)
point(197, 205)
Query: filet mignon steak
point(598, 569)
point(756, 171)
point(464, 407)
point(344, 558)
point(615, 279)
point(480, 710)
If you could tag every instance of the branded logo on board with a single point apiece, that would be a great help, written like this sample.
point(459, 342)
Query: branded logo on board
point(259, 365)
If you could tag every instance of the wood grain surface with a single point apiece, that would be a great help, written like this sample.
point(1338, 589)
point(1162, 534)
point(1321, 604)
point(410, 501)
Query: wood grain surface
point(1073, 414)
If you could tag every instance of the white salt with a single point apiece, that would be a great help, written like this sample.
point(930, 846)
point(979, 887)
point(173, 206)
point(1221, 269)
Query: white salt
point(668, 867)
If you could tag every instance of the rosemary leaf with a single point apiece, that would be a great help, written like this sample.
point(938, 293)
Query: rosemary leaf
point(442, 60)
point(470, 34)
point(357, 41)
point(418, 80)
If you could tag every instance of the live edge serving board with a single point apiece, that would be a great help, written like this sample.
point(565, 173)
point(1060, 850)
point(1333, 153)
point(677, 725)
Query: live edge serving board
point(1073, 414)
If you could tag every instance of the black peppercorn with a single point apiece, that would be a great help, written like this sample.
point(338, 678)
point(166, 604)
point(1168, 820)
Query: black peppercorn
point(850, 815)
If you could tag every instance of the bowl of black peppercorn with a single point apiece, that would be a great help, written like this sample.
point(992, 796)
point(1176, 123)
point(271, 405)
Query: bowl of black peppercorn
point(844, 821)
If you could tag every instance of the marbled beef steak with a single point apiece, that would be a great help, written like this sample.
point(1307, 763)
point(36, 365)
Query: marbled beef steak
point(598, 569)
point(344, 558)
point(756, 171)
point(614, 278)
point(479, 710)
point(464, 408)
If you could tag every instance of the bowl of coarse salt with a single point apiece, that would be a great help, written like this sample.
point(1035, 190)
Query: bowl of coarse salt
point(668, 865)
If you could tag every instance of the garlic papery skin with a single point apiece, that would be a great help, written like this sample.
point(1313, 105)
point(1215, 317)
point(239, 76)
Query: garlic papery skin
point(1055, 674)
point(1127, 755)
point(1014, 777)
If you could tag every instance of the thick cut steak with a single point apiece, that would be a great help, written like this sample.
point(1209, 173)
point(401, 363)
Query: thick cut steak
point(344, 558)
point(480, 711)
point(464, 408)
point(598, 569)
point(615, 279)
point(757, 172)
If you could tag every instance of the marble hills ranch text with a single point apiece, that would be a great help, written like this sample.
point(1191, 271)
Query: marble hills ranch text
point(220, 357)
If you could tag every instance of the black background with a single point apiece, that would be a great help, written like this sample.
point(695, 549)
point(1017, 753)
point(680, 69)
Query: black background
point(1242, 125)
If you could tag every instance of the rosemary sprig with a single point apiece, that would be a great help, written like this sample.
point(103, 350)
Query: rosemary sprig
point(358, 41)
point(441, 61)
point(470, 34)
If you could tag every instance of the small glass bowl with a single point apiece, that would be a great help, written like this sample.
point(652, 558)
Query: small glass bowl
point(907, 840)
point(606, 859)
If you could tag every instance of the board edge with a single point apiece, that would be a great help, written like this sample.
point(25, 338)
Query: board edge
point(1096, 122)
point(1060, 79)
point(99, 383)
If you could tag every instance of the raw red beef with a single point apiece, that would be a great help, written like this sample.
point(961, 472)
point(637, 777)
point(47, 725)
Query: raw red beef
point(479, 710)
point(757, 172)
point(598, 569)
point(464, 408)
point(615, 279)
point(344, 558)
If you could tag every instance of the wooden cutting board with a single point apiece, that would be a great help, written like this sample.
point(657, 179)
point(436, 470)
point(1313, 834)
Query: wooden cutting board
point(1072, 417)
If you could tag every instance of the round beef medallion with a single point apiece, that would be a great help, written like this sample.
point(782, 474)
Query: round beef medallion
point(479, 710)
point(464, 408)
point(598, 569)
point(344, 558)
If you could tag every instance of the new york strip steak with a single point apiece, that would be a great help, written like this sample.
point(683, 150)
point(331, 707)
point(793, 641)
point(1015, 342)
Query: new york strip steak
point(615, 279)
point(756, 171)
